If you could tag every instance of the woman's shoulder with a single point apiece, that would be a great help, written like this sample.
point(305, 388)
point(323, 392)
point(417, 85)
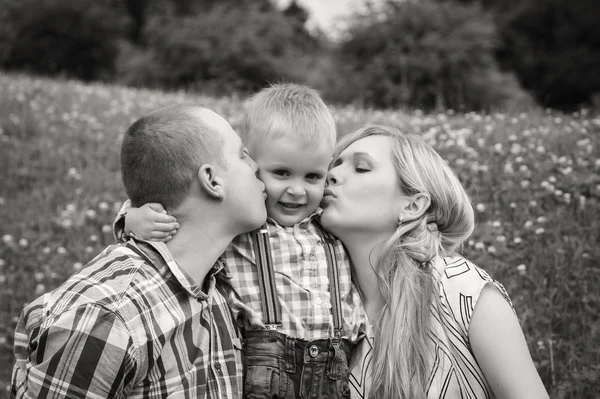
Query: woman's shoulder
point(461, 280)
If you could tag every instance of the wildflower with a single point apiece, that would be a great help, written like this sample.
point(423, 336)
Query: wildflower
point(23, 242)
point(523, 168)
point(2, 278)
point(517, 240)
point(471, 242)
point(89, 249)
point(528, 224)
point(491, 249)
point(94, 238)
point(541, 219)
point(519, 159)
point(582, 200)
point(39, 276)
point(106, 229)
point(540, 230)
point(103, 206)
point(480, 207)
point(61, 250)
point(2, 201)
point(479, 245)
point(558, 193)
point(77, 265)
point(513, 205)
point(496, 223)
point(540, 149)
point(501, 238)
point(552, 179)
point(46, 250)
point(532, 203)
point(90, 214)
point(522, 269)
point(7, 239)
point(40, 289)
point(524, 183)
point(2, 263)
point(67, 223)
point(2, 340)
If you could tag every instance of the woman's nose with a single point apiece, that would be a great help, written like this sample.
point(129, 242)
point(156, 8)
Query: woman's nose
point(331, 178)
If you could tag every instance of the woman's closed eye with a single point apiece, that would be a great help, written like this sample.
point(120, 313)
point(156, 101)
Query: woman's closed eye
point(362, 169)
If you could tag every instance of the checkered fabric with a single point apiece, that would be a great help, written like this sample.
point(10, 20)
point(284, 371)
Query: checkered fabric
point(301, 278)
point(131, 324)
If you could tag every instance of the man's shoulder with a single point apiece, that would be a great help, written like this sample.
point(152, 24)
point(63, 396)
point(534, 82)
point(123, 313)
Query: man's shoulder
point(111, 281)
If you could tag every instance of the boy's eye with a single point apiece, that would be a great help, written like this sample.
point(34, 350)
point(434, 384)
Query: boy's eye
point(281, 172)
point(314, 176)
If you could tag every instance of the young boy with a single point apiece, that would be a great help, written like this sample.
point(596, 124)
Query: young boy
point(301, 314)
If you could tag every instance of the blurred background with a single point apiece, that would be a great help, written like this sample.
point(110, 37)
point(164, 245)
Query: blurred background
point(430, 54)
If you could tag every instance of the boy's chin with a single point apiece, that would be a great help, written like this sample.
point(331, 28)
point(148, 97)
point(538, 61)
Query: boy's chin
point(288, 220)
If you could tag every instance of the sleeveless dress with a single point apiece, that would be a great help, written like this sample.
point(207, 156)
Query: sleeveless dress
point(453, 370)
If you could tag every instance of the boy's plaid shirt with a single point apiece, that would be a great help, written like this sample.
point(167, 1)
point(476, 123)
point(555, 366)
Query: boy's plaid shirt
point(301, 279)
point(132, 324)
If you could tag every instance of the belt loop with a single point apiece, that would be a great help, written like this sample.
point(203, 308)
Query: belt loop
point(290, 358)
point(336, 363)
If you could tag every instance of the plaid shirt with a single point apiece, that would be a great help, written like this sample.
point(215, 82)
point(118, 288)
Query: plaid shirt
point(132, 324)
point(302, 281)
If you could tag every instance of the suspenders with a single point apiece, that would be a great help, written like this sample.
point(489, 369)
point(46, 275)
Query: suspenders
point(270, 304)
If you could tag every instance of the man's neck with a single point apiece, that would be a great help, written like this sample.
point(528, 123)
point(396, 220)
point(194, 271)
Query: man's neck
point(197, 245)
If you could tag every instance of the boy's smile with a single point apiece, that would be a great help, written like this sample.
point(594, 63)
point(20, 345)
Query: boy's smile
point(294, 175)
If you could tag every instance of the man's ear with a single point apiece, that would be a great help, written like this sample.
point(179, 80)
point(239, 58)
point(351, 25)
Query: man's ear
point(416, 206)
point(210, 182)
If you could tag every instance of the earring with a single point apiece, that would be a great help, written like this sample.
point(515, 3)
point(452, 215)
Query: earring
point(400, 219)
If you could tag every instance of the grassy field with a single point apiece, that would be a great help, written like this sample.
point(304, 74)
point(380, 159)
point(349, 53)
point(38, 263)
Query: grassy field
point(534, 177)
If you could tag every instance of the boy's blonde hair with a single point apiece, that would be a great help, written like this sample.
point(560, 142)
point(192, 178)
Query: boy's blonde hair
point(288, 109)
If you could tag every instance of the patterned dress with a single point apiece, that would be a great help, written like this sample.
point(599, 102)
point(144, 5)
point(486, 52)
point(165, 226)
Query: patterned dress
point(454, 372)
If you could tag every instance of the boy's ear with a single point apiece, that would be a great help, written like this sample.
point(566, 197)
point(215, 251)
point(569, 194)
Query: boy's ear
point(210, 182)
point(416, 206)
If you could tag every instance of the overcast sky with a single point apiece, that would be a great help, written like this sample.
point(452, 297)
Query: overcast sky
point(329, 14)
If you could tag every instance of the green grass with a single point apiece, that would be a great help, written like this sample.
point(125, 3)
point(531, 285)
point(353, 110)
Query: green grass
point(535, 178)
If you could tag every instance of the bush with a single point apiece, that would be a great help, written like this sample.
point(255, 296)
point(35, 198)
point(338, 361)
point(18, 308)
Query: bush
point(424, 55)
point(73, 38)
point(224, 50)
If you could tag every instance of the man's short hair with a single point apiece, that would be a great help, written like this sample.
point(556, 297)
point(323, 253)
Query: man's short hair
point(286, 108)
point(162, 152)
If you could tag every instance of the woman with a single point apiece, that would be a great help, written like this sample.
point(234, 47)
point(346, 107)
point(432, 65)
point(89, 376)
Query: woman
point(441, 327)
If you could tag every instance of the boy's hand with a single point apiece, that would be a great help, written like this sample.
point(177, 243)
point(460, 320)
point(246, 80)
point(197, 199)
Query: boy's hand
point(151, 222)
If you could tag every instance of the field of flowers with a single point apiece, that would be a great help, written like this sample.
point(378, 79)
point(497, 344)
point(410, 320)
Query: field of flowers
point(534, 177)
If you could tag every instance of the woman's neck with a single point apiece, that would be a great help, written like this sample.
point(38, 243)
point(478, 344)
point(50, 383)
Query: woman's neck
point(365, 252)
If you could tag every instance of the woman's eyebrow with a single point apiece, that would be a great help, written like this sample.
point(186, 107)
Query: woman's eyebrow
point(361, 154)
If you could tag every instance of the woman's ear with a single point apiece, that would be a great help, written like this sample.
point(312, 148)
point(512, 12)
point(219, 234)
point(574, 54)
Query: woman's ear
point(416, 206)
point(210, 183)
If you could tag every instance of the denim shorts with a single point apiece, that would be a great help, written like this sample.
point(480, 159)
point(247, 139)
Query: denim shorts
point(278, 366)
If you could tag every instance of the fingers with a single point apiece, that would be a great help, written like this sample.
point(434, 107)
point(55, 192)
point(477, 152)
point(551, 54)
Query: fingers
point(165, 225)
point(155, 206)
point(161, 235)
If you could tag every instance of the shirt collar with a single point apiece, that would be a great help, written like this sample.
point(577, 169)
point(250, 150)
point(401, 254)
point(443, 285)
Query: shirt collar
point(159, 255)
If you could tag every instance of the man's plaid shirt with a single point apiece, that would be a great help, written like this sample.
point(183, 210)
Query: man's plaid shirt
point(302, 281)
point(132, 324)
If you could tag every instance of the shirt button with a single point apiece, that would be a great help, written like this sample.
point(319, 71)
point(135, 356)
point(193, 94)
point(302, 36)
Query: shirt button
point(218, 366)
point(318, 300)
point(313, 351)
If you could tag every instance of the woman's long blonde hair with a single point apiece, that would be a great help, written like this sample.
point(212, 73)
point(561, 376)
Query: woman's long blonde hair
point(404, 270)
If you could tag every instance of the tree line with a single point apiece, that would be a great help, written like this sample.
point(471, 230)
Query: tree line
point(461, 54)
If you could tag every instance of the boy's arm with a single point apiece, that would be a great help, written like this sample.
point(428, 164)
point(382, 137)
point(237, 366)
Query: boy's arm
point(149, 222)
point(85, 352)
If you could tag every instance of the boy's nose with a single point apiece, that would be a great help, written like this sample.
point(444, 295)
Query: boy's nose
point(296, 190)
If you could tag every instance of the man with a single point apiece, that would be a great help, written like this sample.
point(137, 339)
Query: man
point(148, 319)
